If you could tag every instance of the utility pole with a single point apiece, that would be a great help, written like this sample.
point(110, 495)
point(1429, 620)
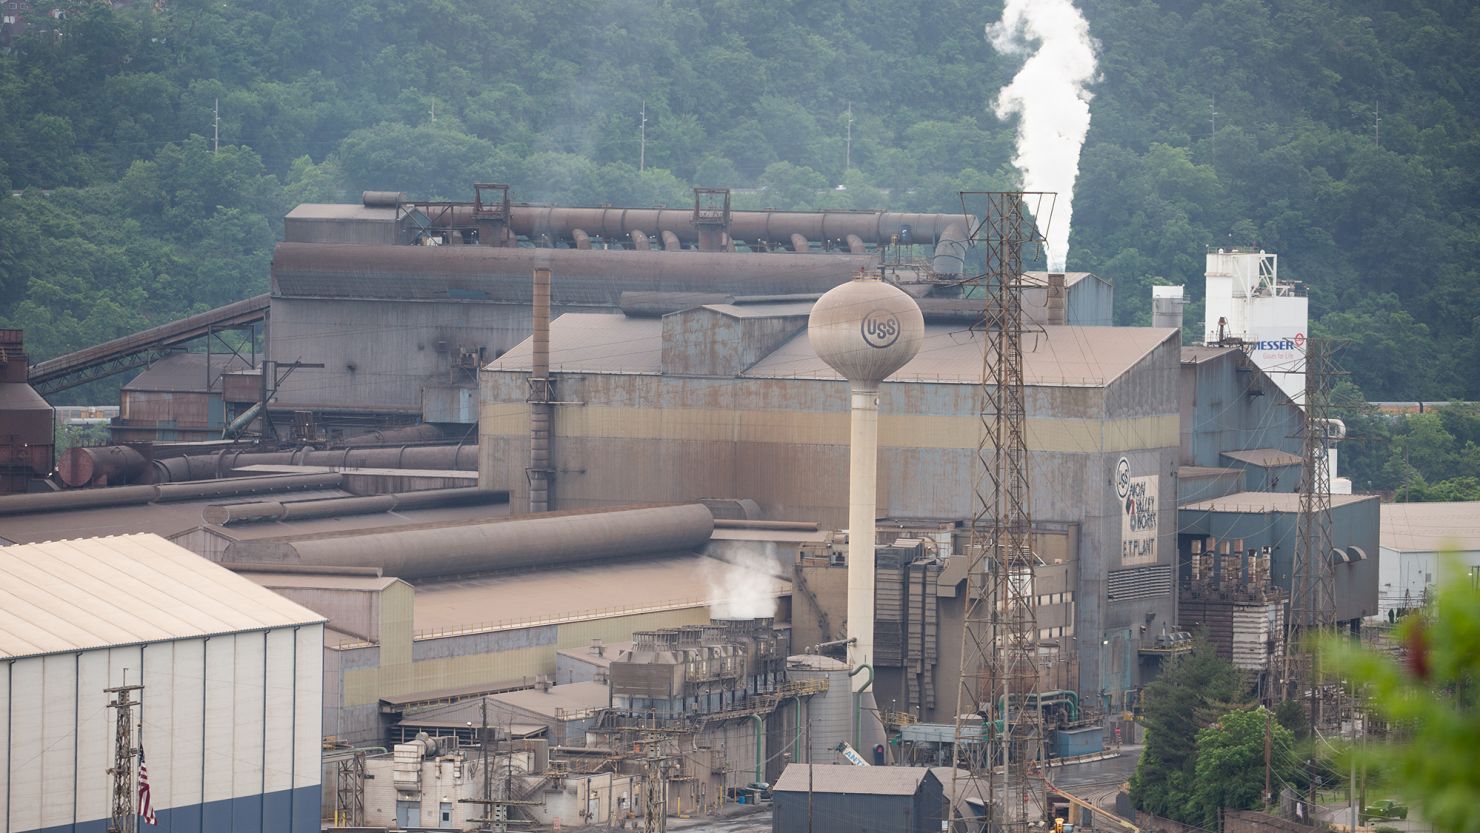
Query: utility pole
point(495, 818)
point(124, 818)
point(1268, 749)
point(848, 144)
point(642, 140)
point(216, 127)
point(654, 785)
point(1377, 122)
point(1213, 135)
point(999, 653)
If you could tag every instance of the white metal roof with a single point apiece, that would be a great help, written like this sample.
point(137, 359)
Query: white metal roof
point(1431, 527)
point(64, 596)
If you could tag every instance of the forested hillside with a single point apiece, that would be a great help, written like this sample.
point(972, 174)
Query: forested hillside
point(126, 217)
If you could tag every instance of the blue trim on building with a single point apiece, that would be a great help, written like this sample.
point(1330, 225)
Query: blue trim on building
point(284, 811)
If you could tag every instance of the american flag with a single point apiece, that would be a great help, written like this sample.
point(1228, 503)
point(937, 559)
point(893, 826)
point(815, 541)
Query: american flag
point(146, 807)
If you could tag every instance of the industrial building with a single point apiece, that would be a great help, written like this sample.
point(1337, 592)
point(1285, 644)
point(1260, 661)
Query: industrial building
point(26, 432)
point(1420, 542)
point(219, 680)
point(1238, 493)
point(731, 399)
point(852, 799)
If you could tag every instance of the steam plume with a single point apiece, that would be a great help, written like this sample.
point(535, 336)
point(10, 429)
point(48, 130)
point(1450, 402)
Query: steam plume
point(1048, 96)
point(742, 587)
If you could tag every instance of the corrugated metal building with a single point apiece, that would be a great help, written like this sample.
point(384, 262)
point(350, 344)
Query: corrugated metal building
point(176, 398)
point(1416, 538)
point(756, 414)
point(232, 683)
point(1238, 495)
point(849, 799)
point(1272, 520)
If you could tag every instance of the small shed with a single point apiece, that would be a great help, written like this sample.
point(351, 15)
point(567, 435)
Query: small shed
point(841, 798)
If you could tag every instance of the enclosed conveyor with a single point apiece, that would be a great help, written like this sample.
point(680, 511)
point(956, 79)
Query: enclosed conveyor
point(545, 540)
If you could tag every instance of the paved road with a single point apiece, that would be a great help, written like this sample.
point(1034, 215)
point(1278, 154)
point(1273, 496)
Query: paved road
point(1098, 781)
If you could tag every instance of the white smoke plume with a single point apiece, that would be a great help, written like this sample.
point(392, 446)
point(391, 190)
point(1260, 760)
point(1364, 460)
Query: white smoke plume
point(743, 586)
point(1050, 99)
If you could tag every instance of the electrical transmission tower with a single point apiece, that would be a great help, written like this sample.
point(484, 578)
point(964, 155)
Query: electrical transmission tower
point(350, 790)
point(999, 653)
point(1313, 585)
point(124, 818)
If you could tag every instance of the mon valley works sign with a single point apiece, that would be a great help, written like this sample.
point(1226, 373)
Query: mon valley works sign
point(1138, 506)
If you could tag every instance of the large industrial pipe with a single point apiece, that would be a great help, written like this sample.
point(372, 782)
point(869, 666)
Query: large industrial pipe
point(276, 510)
point(243, 486)
point(422, 433)
point(541, 412)
point(671, 243)
point(101, 465)
point(614, 223)
point(799, 243)
point(640, 240)
point(221, 463)
point(542, 540)
point(950, 251)
point(580, 239)
point(139, 495)
point(593, 278)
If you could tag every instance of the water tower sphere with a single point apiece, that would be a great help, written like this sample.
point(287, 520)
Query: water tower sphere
point(866, 329)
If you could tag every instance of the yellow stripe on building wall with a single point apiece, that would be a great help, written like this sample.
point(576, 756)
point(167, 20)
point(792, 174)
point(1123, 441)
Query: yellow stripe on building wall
point(1070, 435)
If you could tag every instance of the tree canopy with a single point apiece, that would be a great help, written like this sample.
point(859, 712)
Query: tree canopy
point(1341, 135)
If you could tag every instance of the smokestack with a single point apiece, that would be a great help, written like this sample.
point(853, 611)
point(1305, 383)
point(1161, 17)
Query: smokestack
point(541, 395)
point(865, 330)
point(1057, 299)
point(1166, 306)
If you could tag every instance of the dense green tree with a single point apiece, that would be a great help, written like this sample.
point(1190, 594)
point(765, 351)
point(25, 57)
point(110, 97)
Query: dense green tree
point(1193, 690)
point(1229, 767)
point(319, 101)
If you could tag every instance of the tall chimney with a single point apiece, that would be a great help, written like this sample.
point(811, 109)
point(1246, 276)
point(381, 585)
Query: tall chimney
point(865, 330)
point(541, 397)
point(1056, 300)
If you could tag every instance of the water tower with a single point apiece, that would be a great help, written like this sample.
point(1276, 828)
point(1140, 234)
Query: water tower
point(865, 330)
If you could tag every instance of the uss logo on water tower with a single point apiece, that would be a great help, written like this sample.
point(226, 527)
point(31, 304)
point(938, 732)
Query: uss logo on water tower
point(880, 328)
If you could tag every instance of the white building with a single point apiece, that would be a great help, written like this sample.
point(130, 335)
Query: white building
point(1415, 537)
point(232, 686)
point(1247, 300)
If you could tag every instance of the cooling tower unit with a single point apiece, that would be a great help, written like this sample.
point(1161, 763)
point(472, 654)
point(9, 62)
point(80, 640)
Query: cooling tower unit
point(865, 330)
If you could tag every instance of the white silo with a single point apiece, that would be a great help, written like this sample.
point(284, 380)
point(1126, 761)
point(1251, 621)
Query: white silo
point(865, 330)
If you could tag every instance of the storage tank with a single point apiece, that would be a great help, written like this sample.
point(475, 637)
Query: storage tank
point(830, 715)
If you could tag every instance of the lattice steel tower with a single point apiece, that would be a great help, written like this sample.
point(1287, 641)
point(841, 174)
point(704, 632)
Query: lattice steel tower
point(1313, 585)
point(123, 818)
point(999, 644)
